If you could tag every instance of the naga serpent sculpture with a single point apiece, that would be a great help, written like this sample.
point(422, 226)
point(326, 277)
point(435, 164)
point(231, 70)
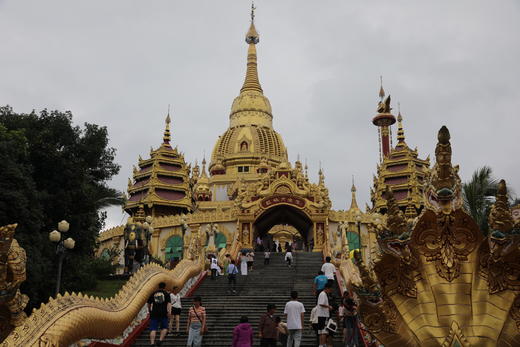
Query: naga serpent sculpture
point(69, 318)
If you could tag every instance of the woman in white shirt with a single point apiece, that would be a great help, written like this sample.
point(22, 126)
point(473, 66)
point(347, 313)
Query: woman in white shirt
point(214, 267)
point(243, 264)
point(175, 299)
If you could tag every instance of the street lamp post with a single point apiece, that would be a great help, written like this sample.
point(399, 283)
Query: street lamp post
point(62, 245)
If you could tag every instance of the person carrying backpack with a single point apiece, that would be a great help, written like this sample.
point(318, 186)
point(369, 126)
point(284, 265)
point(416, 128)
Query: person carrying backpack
point(159, 307)
point(232, 272)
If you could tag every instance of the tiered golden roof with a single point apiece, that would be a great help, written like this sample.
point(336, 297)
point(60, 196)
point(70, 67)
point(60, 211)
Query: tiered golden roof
point(404, 172)
point(250, 136)
point(161, 183)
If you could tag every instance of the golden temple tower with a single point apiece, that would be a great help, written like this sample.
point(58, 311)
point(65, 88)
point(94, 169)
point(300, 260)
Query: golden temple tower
point(250, 144)
point(383, 120)
point(403, 172)
point(161, 183)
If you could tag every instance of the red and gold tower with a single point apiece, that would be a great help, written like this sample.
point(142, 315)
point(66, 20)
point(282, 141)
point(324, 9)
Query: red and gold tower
point(383, 120)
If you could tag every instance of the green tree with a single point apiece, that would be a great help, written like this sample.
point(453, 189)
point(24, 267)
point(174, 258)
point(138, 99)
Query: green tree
point(53, 170)
point(479, 194)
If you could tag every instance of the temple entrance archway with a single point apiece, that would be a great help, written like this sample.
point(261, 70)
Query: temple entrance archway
point(284, 223)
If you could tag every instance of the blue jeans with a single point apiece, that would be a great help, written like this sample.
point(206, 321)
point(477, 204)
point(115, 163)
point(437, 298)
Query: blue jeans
point(295, 335)
point(194, 336)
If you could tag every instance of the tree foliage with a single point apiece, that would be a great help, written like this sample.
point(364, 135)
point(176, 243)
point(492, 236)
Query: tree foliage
point(52, 170)
point(479, 194)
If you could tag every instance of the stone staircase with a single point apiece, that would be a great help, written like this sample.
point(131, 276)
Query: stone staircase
point(265, 284)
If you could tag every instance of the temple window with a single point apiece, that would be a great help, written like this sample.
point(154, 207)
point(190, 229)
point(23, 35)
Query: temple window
point(244, 147)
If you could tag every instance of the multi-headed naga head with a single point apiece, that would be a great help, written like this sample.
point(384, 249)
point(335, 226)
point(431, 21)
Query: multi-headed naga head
point(394, 237)
point(500, 220)
point(443, 190)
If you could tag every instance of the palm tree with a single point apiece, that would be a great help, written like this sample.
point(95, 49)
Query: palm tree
point(479, 194)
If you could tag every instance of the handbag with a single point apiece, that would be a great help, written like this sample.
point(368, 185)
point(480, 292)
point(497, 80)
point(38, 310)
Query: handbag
point(332, 325)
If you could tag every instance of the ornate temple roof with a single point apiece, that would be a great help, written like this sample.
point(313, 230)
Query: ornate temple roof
point(404, 172)
point(201, 190)
point(160, 183)
point(250, 136)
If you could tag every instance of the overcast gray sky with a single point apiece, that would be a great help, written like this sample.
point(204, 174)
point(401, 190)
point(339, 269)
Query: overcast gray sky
point(120, 63)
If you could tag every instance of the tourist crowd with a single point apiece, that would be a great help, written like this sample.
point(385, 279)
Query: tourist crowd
point(328, 317)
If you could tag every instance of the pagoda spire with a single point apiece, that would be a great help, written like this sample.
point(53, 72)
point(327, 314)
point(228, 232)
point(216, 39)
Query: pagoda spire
point(167, 136)
point(353, 203)
point(400, 129)
point(252, 83)
point(204, 167)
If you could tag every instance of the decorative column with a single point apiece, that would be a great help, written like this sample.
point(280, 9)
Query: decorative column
point(319, 236)
point(245, 234)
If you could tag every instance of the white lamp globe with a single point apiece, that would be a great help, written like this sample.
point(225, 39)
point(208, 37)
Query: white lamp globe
point(55, 236)
point(63, 226)
point(69, 243)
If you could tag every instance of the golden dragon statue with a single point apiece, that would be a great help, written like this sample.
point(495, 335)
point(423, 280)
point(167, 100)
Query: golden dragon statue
point(440, 281)
point(69, 318)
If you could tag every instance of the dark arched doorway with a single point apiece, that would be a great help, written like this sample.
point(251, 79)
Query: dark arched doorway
point(283, 215)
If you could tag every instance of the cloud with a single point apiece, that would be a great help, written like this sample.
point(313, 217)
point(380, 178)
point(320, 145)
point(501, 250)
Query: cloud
point(120, 63)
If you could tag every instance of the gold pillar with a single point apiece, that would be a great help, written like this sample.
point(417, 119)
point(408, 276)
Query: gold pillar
point(155, 247)
point(319, 236)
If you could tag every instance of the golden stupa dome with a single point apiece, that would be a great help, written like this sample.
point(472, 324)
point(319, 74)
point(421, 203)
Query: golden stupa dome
point(250, 136)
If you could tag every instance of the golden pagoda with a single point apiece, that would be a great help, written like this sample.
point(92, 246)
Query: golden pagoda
point(161, 183)
point(250, 140)
point(248, 189)
point(400, 169)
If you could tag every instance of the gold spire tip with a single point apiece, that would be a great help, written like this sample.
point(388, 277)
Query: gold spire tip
point(381, 90)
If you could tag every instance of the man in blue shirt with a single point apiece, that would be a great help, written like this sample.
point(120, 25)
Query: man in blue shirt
point(319, 283)
point(232, 271)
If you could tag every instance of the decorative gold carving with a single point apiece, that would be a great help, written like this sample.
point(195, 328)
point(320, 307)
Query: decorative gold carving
point(446, 239)
point(515, 311)
point(500, 256)
point(384, 105)
point(456, 337)
point(12, 275)
point(443, 189)
point(378, 312)
point(452, 305)
point(397, 268)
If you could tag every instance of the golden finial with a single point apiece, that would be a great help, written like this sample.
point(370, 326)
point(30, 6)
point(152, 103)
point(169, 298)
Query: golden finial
point(251, 82)
point(353, 203)
point(400, 129)
point(381, 90)
point(252, 36)
point(166, 137)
